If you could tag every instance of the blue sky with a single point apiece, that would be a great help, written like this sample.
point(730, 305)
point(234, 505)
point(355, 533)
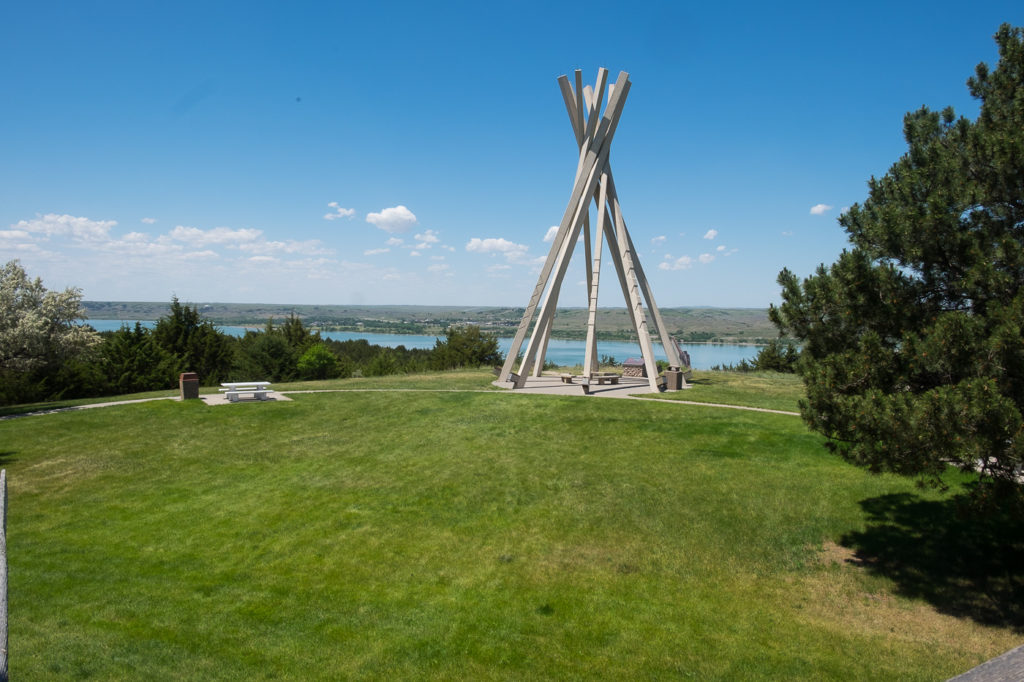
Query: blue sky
point(418, 153)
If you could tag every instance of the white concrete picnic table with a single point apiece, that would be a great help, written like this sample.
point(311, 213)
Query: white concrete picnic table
point(258, 389)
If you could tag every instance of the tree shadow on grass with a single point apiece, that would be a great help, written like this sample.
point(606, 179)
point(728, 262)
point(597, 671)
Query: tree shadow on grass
point(6, 457)
point(966, 560)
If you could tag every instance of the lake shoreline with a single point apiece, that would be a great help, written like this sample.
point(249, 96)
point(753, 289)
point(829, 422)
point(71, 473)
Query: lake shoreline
point(562, 352)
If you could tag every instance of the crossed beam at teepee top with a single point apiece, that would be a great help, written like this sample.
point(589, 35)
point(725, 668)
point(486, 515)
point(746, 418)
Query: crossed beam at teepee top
point(594, 132)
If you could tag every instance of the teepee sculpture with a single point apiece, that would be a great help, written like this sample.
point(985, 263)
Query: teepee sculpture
point(594, 131)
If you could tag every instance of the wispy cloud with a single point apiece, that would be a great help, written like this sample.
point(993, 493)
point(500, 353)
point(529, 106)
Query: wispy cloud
point(710, 234)
point(550, 234)
point(681, 263)
point(374, 252)
point(659, 240)
point(80, 229)
point(820, 209)
point(339, 212)
point(218, 235)
point(705, 258)
point(309, 247)
point(394, 219)
point(427, 239)
point(149, 221)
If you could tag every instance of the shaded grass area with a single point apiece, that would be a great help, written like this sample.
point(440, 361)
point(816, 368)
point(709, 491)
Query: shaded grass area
point(433, 536)
point(965, 560)
point(769, 390)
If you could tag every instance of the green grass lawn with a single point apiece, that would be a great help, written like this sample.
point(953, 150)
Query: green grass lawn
point(452, 381)
point(770, 390)
point(469, 535)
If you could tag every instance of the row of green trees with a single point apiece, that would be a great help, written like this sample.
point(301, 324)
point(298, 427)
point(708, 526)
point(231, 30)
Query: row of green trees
point(46, 353)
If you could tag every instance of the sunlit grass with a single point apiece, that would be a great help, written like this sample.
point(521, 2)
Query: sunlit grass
point(450, 535)
point(769, 390)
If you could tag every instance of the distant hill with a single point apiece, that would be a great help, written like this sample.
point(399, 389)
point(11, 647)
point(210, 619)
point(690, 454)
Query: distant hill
point(731, 325)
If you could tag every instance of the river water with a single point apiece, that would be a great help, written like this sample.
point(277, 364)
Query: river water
point(560, 351)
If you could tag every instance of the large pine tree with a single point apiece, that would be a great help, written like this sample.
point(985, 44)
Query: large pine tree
point(913, 341)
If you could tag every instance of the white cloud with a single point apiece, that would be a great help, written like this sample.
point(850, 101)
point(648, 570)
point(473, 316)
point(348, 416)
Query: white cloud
point(681, 263)
point(394, 219)
point(498, 267)
point(513, 252)
point(339, 212)
point(310, 247)
point(437, 258)
point(550, 235)
point(787, 233)
point(218, 235)
point(395, 241)
point(710, 234)
point(820, 209)
point(80, 229)
point(374, 252)
point(200, 255)
point(149, 221)
point(414, 253)
point(18, 240)
point(263, 259)
point(441, 267)
point(428, 237)
point(720, 248)
point(659, 240)
point(705, 258)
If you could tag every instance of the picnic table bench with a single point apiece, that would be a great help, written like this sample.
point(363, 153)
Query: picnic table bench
point(258, 389)
point(599, 378)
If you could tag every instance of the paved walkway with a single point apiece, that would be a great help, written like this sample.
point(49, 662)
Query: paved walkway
point(1006, 668)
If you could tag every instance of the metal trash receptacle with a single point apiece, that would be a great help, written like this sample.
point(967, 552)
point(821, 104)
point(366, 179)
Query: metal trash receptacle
point(188, 382)
point(673, 380)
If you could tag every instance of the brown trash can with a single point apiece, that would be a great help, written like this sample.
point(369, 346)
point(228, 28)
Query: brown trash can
point(673, 380)
point(189, 384)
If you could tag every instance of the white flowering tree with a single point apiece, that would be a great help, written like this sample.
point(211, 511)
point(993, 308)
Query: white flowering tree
point(39, 327)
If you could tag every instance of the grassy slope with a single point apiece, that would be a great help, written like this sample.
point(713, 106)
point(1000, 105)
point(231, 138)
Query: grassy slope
point(455, 380)
point(417, 535)
point(770, 390)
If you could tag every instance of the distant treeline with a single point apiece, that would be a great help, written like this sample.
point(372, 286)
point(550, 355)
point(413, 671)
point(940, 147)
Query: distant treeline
point(135, 358)
point(725, 325)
